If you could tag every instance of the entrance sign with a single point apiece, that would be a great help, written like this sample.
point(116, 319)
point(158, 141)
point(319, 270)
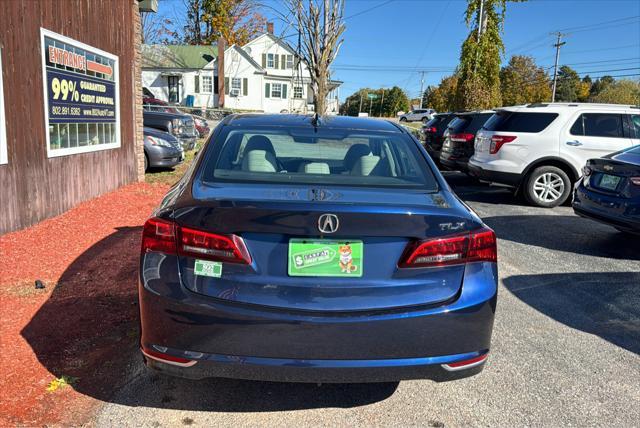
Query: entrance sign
point(81, 96)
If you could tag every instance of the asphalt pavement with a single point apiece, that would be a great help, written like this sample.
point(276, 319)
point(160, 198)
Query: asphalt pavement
point(565, 350)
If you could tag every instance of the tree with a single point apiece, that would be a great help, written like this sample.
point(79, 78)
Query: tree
point(479, 70)
point(237, 21)
point(156, 29)
point(584, 89)
point(320, 24)
point(600, 85)
point(443, 97)
point(523, 82)
point(568, 85)
point(623, 91)
point(388, 102)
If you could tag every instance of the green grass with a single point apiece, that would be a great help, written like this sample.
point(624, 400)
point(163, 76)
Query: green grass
point(170, 176)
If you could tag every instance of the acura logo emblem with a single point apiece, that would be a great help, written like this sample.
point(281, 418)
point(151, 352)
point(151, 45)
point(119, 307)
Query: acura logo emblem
point(328, 223)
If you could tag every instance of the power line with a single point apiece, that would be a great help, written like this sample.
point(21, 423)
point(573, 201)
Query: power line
point(369, 9)
point(599, 24)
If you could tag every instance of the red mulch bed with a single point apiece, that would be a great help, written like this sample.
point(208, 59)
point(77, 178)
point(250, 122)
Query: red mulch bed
point(84, 324)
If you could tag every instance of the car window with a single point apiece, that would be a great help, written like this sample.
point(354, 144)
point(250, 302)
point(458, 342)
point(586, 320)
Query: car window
point(477, 122)
point(634, 123)
point(598, 125)
point(634, 150)
point(505, 121)
point(325, 157)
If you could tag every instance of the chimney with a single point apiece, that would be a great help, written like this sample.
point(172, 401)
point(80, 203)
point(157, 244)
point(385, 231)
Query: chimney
point(270, 27)
point(221, 48)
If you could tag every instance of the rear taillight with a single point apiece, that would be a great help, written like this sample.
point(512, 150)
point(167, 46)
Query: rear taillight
point(201, 244)
point(462, 138)
point(159, 235)
point(498, 141)
point(430, 129)
point(167, 237)
point(635, 180)
point(476, 246)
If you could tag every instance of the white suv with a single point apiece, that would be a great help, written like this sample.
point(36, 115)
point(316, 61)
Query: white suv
point(541, 148)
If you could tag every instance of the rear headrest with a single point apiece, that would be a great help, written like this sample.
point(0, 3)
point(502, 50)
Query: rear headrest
point(317, 168)
point(259, 161)
point(356, 151)
point(365, 165)
point(259, 142)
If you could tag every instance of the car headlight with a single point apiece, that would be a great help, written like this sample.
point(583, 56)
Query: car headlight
point(178, 126)
point(156, 141)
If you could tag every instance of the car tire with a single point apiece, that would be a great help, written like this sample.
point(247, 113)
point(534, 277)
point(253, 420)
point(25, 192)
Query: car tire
point(547, 187)
point(146, 163)
point(403, 119)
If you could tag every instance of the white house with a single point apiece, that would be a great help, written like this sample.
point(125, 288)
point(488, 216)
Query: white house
point(263, 75)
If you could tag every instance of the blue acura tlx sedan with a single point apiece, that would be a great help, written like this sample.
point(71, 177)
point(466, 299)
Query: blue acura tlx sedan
point(609, 191)
point(306, 249)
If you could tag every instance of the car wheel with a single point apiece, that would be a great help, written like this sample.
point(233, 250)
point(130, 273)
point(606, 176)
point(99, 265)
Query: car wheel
point(403, 119)
point(547, 187)
point(146, 163)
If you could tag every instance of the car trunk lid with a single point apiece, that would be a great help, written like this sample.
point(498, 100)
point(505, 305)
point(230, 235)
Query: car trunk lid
point(269, 217)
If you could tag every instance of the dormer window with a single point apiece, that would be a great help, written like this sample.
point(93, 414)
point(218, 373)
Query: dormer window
point(271, 60)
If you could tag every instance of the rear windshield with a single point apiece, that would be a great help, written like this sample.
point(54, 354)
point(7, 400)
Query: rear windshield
point(438, 120)
point(505, 121)
point(323, 157)
point(469, 123)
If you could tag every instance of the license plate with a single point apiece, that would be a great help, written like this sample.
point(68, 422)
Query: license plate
point(320, 257)
point(609, 182)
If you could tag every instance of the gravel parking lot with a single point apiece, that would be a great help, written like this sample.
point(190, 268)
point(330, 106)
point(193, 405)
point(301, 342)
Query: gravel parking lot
point(565, 349)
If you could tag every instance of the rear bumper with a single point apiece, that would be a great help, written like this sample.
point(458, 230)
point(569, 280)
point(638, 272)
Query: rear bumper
point(509, 178)
point(245, 341)
point(589, 204)
point(455, 164)
point(324, 371)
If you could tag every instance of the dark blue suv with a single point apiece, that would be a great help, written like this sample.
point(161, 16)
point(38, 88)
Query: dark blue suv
point(316, 250)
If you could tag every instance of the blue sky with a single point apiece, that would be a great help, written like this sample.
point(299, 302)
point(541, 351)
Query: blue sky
point(387, 41)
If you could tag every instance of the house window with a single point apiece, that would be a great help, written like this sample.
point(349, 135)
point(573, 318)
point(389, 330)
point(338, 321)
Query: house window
point(290, 63)
point(236, 85)
point(81, 89)
point(297, 92)
point(276, 90)
point(207, 84)
point(3, 136)
point(196, 84)
point(270, 60)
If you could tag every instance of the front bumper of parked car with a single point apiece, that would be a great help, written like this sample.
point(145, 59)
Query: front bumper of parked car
point(188, 142)
point(212, 337)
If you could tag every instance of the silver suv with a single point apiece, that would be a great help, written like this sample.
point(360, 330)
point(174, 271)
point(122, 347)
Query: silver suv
point(419, 115)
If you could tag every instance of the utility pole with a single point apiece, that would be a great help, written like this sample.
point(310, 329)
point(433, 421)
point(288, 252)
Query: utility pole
point(382, 103)
point(421, 85)
point(555, 66)
point(360, 108)
point(370, 104)
point(480, 19)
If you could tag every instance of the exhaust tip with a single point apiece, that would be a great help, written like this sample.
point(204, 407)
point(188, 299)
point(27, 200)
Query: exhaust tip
point(466, 364)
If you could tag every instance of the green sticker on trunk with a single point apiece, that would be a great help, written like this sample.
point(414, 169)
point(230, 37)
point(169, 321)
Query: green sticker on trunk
point(325, 258)
point(206, 268)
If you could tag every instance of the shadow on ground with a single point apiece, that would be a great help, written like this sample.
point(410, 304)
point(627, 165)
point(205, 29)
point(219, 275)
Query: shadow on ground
point(567, 233)
point(606, 304)
point(88, 329)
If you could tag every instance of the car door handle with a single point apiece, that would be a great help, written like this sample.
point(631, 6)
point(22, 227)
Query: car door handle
point(574, 143)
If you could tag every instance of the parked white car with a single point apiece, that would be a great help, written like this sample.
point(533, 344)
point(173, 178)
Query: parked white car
point(541, 148)
point(419, 115)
